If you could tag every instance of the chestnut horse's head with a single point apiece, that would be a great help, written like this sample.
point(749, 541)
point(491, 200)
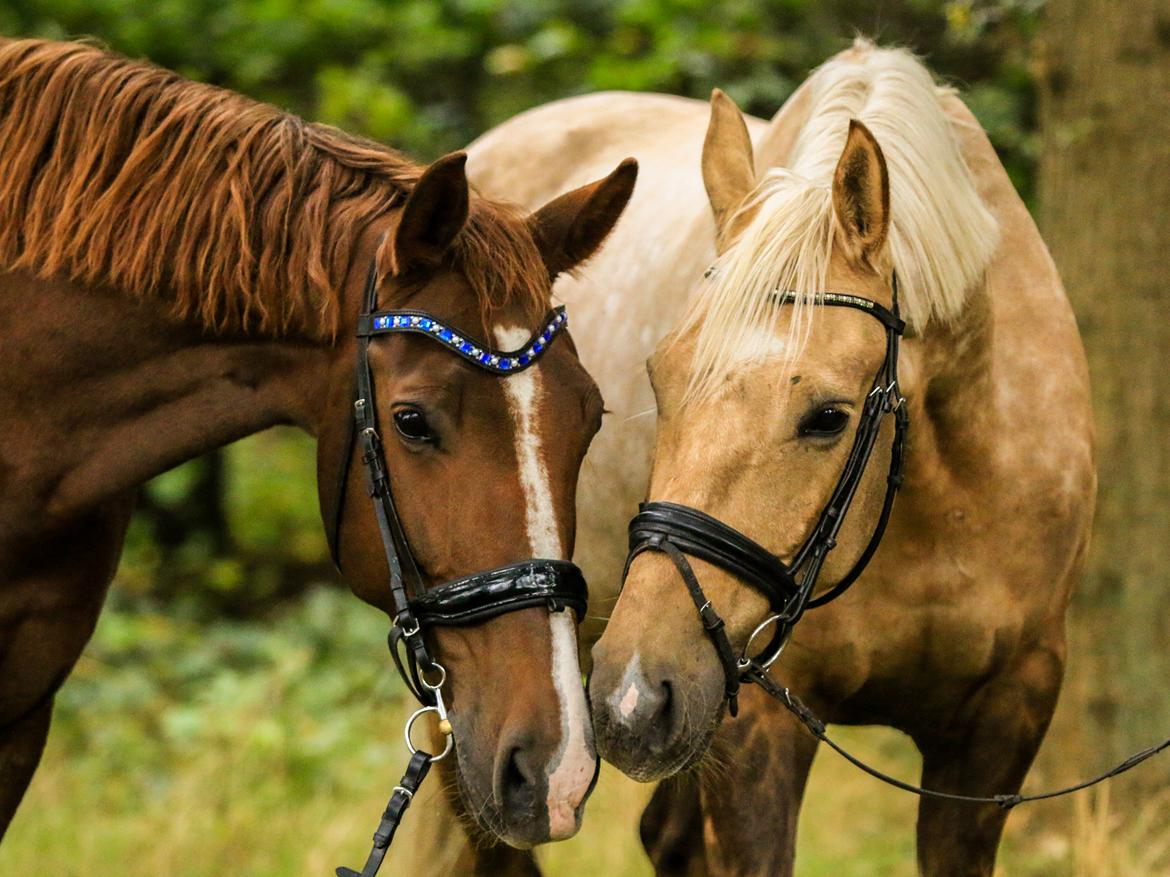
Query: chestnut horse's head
point(758, 402)
point(483, 470)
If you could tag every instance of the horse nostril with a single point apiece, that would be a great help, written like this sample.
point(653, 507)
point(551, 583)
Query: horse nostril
point(667, 706)
point(517, 783)
point(660, 723)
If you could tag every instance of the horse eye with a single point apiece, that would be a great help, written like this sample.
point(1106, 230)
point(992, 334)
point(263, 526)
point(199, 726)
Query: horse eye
point(412, 425)
point(826, 421)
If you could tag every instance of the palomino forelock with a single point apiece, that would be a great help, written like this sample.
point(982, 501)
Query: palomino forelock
point(941, 234)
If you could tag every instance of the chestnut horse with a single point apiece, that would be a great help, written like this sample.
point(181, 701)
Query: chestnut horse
point(181, 267)
point(955, 632)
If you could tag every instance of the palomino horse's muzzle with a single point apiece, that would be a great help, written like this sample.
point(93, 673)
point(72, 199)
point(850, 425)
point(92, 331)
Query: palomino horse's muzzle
point(679, 531)
point(556, 584)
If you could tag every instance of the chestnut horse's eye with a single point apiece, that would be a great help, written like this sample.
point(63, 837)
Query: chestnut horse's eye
point(412, 425)
point(826, 421)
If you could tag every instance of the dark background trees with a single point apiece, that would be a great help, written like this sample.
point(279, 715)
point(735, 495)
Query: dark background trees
point(1104, 199)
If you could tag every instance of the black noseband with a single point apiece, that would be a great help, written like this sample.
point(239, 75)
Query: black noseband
point(679, 531)
point(554, 584)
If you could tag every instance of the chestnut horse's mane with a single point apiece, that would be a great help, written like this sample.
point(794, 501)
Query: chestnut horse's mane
point(121, 174)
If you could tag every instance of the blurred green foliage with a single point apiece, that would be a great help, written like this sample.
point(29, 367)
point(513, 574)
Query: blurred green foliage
point(429, 75)
point(155, 689)
point(237, 532)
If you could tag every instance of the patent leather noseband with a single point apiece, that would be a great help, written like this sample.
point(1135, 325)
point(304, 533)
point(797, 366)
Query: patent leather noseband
point(555, 584)
point(679, 531)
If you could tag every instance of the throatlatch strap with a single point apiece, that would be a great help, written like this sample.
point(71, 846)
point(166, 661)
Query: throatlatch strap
point(416, 772)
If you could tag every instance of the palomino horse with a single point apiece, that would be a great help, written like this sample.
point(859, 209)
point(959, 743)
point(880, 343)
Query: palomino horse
point(955, 631)
point(182, 267)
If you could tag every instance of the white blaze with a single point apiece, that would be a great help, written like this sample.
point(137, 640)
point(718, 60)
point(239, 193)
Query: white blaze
point(571, 769)
point(632, 684)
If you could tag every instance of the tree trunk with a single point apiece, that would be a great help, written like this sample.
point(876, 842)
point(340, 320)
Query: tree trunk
point(1105, 212)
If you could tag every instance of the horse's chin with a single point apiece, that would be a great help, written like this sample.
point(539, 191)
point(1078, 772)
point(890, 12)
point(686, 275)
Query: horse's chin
point(643, 764)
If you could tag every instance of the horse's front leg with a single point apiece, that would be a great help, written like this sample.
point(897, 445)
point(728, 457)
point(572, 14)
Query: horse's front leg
point(671, 828)
point(989, 754)
point(50, 596)
point(751, 788)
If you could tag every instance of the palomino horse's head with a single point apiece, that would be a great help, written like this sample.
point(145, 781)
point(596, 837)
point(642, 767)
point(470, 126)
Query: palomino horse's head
point(483, 469)
point(758, 402)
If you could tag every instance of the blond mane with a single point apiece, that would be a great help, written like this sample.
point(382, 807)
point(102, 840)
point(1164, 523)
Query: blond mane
point(120, 174)
point(941, 234)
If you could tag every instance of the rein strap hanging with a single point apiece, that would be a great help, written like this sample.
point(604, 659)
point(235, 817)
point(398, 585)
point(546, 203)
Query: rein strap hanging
point(817, 728)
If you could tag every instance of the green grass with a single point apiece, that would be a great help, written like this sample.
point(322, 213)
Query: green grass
point(268, 750)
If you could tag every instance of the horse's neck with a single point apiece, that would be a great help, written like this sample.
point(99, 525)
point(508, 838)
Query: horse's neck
point(103, 392)
point(950, 386)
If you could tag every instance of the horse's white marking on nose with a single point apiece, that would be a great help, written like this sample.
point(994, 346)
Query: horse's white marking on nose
point(571, 774)
point(625, 697)
point(572, 766)
point(522, 391)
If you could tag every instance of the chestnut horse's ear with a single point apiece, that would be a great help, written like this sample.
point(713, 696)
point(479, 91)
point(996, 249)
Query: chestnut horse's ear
point(728, 165)
point(434, 214)
point(861, 196)
point(569, 229)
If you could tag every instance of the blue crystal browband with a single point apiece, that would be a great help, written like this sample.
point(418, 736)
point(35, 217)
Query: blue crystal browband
point(500, 362)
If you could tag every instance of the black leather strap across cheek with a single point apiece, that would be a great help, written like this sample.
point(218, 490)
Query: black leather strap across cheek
point(712, 621)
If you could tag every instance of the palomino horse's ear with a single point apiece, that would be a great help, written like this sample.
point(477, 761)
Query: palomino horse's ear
point(569, 229)
point(728, 165)
point(433, 215)
point(861, 195)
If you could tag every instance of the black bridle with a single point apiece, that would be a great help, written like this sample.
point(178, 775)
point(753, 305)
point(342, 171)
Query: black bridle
point(556, 584)
point(678, 530)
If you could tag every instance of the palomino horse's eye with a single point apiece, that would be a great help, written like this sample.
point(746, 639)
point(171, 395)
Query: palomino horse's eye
point(826, 421)
point(412, 425)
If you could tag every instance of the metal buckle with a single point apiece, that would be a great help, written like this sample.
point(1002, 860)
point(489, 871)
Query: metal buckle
point(744, 661)
point(894, 398)
point(440, 710)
